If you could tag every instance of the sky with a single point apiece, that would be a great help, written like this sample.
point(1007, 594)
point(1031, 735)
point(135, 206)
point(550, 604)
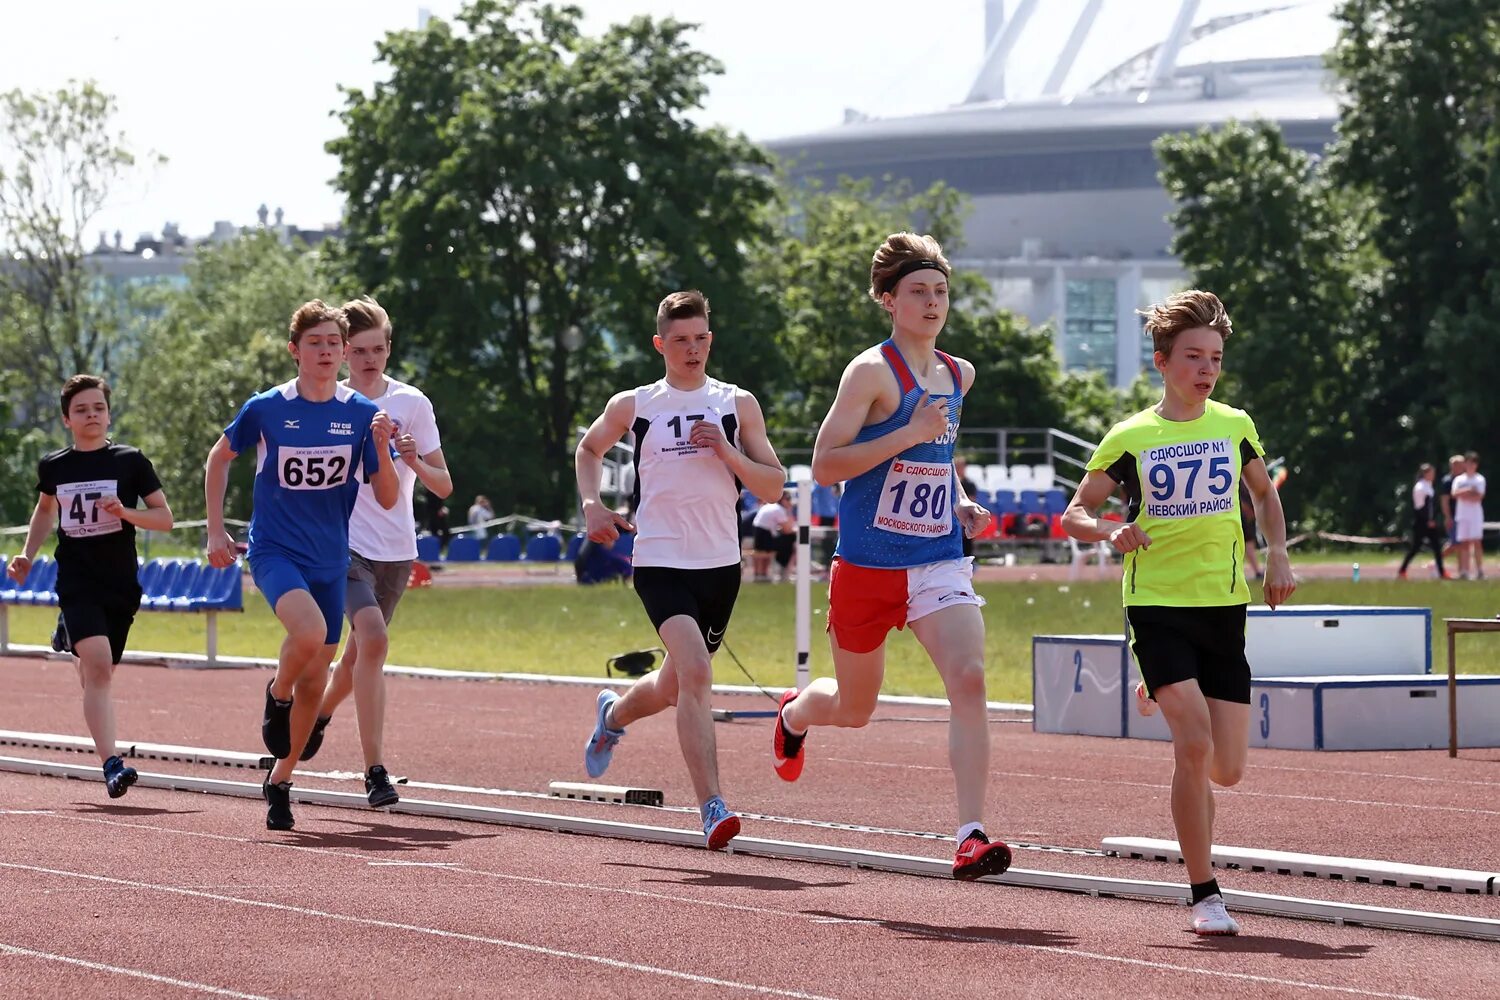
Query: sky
point(239, 97)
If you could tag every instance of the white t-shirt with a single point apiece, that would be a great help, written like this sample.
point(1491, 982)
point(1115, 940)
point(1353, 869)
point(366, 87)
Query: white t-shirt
point(391, 535)
point(1468, 507)
point(1421, 493)
point(773, 517)
point(686, 517)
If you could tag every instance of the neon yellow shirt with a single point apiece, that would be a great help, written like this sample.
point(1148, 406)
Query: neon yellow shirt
point(1181, 481)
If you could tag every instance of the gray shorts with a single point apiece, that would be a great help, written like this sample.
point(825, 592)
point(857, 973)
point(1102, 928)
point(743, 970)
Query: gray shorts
point(374, 584)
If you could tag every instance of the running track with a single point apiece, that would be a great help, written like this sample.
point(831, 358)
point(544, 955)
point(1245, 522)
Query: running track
point(173, 894)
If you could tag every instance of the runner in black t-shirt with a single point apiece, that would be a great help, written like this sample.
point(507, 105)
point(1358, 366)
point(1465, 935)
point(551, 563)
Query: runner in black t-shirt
point(91, 490)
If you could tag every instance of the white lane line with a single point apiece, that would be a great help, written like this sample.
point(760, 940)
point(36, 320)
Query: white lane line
point(218, 991)
point(1165, 787)
point(533, 949)
point(771, 911)
point(411, 864)
point(25, 812)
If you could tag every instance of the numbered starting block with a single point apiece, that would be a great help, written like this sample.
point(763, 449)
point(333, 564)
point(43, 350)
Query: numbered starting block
point(1323, 678)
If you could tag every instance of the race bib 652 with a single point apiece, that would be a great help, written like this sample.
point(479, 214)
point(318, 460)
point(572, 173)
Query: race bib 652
point(320, 468)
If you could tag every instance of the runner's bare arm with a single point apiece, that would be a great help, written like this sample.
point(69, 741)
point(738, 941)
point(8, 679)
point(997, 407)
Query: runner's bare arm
point(836, 458)
point(603, 525)
point(431, 469)
point(220, 547)
point(43, 520)
point(155, 516)
point(1279, 582)
point(1082, 521)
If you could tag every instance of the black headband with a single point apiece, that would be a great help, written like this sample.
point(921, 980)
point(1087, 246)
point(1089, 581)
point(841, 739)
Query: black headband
point(920, 264)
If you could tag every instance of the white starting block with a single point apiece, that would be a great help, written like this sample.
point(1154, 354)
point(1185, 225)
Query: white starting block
point(1323, 678)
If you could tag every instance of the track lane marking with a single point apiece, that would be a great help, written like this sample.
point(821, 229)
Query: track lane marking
point(218, 991)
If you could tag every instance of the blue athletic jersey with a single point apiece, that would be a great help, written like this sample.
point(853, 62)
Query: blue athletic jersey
point(901, 513)
point(308, 457)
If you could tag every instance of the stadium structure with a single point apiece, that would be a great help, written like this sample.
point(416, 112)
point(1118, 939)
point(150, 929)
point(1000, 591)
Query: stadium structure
point(1068, 214)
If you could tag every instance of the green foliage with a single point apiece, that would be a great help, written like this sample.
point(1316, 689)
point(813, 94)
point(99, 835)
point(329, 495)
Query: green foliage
point(210, 346)
point(520, 196)
point(59, 158)
point(20, 449)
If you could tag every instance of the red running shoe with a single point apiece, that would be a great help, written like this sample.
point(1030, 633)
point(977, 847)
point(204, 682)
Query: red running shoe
point(786, 747)
point(978, 856)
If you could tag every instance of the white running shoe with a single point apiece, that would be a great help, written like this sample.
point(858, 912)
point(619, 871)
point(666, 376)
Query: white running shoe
point(1210, 918)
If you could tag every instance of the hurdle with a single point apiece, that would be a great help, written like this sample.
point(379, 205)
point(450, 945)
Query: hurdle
point(1360, 870)
point(1452, 925)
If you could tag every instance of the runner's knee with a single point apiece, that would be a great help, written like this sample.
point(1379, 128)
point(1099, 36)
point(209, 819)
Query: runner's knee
point(695, 677)
point(965, 684)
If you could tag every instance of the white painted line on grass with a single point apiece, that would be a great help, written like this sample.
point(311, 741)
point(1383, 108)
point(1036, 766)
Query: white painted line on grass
point(218, 991)
point(533, 949)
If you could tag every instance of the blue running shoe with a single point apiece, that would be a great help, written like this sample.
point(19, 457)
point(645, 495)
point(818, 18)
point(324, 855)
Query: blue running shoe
point(601, 745)
point(720, 826)
point(117, 777)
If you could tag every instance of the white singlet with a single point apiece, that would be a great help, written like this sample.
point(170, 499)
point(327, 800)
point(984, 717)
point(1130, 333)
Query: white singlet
point(685, 516)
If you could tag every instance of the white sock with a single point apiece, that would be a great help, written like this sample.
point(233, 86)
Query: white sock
point(966, 829)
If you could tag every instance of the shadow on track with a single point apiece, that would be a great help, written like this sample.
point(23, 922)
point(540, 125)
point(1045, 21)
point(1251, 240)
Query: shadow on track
point(382, 837)
point(913, 931)
point(727, 880)
point(111, 809)
point(1255, 944)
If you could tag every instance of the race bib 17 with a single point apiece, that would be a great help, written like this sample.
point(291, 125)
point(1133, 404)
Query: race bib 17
point(1190, 479)
point(320, 468)
point(78, 509)
point(916, 499)
point(679, 427)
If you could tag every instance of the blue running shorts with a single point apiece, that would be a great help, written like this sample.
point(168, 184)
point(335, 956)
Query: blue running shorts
point(276, 576)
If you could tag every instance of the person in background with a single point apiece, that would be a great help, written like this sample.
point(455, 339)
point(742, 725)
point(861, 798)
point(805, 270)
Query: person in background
point(480, 511)
point(1424, 522)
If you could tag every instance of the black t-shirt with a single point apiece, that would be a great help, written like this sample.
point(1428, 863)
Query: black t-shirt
point(1445, 487)
point(95, 551)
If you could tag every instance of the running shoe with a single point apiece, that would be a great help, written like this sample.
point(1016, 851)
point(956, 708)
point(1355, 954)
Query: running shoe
point(720, 826)
point(786, 747)
point(279, 802)
point(60, 641)
point(378, 787)
point(315, 738)
point(276, 725)
point(1212, 920)
point(601, 745)
point(117, 777)
point(979, 856)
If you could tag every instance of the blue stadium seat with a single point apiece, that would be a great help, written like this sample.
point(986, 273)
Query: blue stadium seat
point(543, 549)
point(175, 582)
point(1003, 502)
point(503, 548)
point(1032, 502)
point(194, 577)
point(218, 589)
point(464, 548)
point(170, 573)
point(149, 575)
point(1056, 501)
point(40, 583)
point(429, 548)
point(574, 544)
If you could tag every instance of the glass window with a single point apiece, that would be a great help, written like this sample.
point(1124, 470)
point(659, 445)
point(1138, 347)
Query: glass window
point(1089, 331)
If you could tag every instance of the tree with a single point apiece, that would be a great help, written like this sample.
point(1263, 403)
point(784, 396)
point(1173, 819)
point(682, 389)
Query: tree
point(20, 450)
point(1420, 137)
point(520, 196)
point(1258, 223)
point(208, 347)
point(59, 158)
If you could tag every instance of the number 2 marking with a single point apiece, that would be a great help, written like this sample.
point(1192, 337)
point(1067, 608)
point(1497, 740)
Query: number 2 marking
point(1077, 670)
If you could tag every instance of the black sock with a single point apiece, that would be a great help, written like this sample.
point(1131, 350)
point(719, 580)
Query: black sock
point(1202, 890)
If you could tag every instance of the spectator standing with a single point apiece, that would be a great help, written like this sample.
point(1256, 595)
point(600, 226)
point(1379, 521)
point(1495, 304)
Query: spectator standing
point(479, 512)
point(1424, 521)
point(1468, 518)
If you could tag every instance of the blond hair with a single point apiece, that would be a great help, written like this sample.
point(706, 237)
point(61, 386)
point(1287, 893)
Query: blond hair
point(366, 314)
point(1188, 310)
point(898, 251)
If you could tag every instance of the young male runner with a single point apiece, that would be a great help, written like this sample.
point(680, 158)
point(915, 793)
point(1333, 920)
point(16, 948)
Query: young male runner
point(314, 440)
point(1180, 463)
point(382, 543)
point(694, 438)
point(900, 561)
point(90, 489)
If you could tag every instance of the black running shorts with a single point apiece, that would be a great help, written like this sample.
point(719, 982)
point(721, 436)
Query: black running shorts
point(705, 595)
point(84, 619)
point(1202, 644)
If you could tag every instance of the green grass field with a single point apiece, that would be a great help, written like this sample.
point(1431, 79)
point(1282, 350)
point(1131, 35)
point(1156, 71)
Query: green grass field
point(568, 630)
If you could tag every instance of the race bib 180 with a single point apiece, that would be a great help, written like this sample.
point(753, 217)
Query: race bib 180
point(1191, 479)
point(78, 508)
point(320, 468)
point(916, 499)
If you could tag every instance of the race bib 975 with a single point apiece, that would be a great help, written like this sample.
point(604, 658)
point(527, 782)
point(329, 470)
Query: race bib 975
point(1190, 479)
